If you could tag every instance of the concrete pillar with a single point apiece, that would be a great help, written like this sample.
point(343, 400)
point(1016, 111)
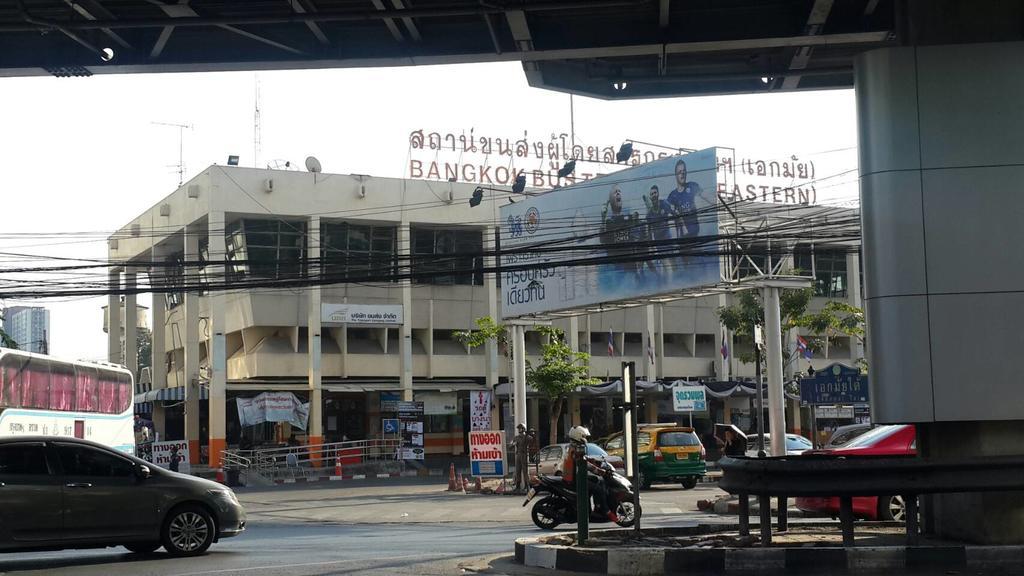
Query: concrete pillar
point(853, 296)
point(575, 414)
point(493, 311)
point(191, 343)
point(519, 360)
point(722, 364)
point(773, 346)
point(131, 323)
point(405, 342)
point(940, 144)
point(114, 318)
point(315, 431)
point(533, 418)
point(158, 317)
point(216, 271)
point(647, 340)
point(651, 409)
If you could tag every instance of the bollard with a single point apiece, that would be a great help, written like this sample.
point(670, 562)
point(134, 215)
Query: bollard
point(582, 497)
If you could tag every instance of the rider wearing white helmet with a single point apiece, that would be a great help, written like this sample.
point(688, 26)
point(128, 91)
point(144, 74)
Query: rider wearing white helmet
point(595, 475)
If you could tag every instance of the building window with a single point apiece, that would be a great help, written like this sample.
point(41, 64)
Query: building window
point(828, 268)
point(273, 249)
point(446, 257)
point(359, 252)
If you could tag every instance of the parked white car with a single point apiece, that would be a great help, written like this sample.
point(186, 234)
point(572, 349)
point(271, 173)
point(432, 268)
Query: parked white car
point(550, 458)
point(795, 445)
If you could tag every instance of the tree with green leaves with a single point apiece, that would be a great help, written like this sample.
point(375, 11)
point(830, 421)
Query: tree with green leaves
point(6, 341)
point(835, 319)
point(561, 371)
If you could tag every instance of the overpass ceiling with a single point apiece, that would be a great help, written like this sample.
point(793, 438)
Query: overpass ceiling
point(655, 47)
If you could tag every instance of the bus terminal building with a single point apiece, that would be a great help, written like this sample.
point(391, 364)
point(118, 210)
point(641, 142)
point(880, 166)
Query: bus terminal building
point(230, 255)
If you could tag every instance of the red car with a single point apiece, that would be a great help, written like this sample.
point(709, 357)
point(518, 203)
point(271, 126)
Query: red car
point(891, 440)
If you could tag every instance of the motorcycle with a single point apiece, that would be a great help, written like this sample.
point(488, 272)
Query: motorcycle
point(558, 506)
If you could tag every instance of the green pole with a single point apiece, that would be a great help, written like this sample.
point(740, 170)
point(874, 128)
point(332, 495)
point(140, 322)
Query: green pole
point(582, 497)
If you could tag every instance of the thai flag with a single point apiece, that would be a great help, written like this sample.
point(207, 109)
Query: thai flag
point(650, 348)
point(725, 349)
point(804, 347)
point(611, 345)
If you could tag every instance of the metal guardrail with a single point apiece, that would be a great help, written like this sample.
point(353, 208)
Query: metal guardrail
point(848, 476)
point(305, 459)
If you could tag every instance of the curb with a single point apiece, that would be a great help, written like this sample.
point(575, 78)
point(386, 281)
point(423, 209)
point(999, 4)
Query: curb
point(797, 560)
point(332, 478)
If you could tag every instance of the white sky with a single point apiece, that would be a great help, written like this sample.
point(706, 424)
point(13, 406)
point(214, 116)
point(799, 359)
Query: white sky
point(82, 155)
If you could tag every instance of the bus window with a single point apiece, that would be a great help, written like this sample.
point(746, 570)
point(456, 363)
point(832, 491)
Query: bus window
point(38, 395)
point(62, 387)
point(85, 393)
point(125, 394)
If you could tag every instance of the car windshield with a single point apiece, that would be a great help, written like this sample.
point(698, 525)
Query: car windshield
point(797, 443)
point(678, 439)
point(596, 451)
point(872, 437)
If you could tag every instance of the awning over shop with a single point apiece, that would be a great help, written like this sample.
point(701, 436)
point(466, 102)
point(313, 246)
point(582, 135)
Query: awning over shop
point(175, 394)
point(395, 386)
point(714, 389)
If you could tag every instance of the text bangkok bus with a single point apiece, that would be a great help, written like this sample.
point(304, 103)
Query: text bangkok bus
point(40, 395)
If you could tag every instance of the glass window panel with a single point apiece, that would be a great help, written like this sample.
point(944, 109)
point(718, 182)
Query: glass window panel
point(23, 460)
point(86, 461)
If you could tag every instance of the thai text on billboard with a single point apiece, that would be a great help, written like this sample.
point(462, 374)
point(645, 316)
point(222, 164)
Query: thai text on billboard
point(487, 455)
point(644, 231)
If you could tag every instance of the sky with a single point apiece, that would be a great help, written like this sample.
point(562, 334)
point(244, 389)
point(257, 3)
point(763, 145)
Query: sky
point(83, 156)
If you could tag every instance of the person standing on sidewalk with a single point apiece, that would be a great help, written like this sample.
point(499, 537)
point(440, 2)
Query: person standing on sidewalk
point(521, 444)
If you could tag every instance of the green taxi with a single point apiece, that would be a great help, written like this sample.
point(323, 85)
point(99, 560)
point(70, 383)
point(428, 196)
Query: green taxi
point(666, 454)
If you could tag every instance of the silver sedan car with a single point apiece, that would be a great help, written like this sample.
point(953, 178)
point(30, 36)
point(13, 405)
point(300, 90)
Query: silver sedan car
point(550, 458)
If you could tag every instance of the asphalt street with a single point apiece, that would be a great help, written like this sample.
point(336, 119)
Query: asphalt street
point(407, 526)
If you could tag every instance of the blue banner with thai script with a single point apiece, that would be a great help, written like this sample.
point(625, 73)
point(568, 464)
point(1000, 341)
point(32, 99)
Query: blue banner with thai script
point(836, 384)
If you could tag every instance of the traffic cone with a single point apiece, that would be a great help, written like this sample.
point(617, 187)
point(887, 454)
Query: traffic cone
point(479, 484)
point(463, 482)
point(452, 487)
point(501, 487)
point(220, 476)
point(337, 467)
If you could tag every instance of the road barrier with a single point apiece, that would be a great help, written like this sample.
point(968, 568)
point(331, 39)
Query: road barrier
point(825, 475)
point(305, 461)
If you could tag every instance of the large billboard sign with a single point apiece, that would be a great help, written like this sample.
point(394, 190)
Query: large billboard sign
point(644, 231)
point(836, 384)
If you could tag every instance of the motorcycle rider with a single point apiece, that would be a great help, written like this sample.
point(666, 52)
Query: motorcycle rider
point(578, 436)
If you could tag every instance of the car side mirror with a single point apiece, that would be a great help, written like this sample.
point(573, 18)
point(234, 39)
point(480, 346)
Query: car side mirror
point(143, 472)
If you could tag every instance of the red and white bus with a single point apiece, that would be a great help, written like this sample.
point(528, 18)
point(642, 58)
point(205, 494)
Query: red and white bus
point(41, 395)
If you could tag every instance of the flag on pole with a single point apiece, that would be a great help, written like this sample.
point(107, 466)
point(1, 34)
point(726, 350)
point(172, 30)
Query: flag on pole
point(804, 347)
point(611, 343)
point(725, 348)
point(650, 348)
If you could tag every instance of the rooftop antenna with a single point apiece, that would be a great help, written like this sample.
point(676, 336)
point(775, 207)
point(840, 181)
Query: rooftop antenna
point(257, 136)
point(181, 156)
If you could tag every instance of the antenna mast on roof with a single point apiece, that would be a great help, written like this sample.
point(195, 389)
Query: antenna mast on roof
point(180, 166)
point(257, 136)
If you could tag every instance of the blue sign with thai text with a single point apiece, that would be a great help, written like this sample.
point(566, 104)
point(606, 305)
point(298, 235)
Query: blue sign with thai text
point(836, 384)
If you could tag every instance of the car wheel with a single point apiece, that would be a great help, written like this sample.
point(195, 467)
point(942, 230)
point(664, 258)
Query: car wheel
point(142, 547)
point(690, 483)
point(188, 531)
point(643, 480)
point(892, 508)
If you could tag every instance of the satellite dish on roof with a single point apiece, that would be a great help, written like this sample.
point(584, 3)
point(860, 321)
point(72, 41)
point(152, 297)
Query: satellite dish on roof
point(313, 165)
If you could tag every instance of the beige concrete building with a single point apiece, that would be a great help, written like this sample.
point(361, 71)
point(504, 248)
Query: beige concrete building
point(262, 233)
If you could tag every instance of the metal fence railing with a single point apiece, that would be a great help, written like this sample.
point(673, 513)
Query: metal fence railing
point(307, 459)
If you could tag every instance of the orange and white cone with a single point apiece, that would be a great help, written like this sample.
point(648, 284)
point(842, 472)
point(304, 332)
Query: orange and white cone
point(452, 487)
point(479, 485)
point(337, 467)
point(220, 476)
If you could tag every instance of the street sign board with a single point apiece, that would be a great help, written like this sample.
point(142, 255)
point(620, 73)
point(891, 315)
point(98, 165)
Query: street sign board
point(836, 384)
point(689, 398)
point(390, 426)
point(487, 454)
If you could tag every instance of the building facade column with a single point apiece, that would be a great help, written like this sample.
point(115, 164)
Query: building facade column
point(191, 344)
point(315, 344)
point(216, 270)
point(773, 348)
point(114, 318)
point(131, 323)
point(158, 361)
point(405, 340)
point(853, 297)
